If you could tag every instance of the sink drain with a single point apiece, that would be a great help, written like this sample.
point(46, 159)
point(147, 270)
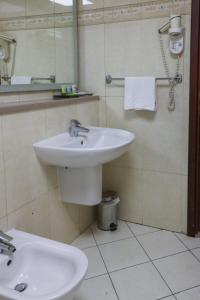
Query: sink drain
point(21, 287)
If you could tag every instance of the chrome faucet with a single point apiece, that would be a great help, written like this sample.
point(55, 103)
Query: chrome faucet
point(6, 247)
point(75, 127)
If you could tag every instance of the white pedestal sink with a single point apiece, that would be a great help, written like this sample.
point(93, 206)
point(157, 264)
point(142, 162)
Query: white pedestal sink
point(79, 160)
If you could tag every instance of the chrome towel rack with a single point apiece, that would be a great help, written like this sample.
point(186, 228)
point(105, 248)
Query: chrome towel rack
point(51, 78)
point(178, 78)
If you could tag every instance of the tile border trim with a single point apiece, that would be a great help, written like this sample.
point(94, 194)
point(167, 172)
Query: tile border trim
point(37, 22)
point(137, 11)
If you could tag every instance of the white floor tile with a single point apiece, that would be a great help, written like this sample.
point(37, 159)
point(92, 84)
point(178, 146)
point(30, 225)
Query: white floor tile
point(102, 237)
point(196, 252)
point(138, 229)
point(96, 266)
point(85, 240)
point(122, 254)
point(141, 282)
point(193, 294)
point(161, 243)
point(98, 288)
point(181, 271)
point(190, 242)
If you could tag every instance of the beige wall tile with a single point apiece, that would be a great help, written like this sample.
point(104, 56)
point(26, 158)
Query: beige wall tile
point(64, 219)
point(3, 224)
point(25, 175)
point(161, 138)
point(127, 183)
point(58, 8)
point(37, 7)
point(114, 3)
point(32, 96)
point(1, 137)
point(13, 8)
point(92, 71)
point(58, 119)
point(2, 188)
point(152, 198)
point(52, 177)
point(102, 112)
point(87, 216)
point(187, 21)
point(2, 177)
point(184, 204)
point(163, 199)
point(142, 34)
point(88, 113)
point(25, 181)
point(64, 55)
point(33, 217)
point(6, 98)
point(161, 142)
point(33, 200)
point(21, 130)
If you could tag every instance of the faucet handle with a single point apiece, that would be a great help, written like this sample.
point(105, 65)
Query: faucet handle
point(75, 122)
point(5, 236)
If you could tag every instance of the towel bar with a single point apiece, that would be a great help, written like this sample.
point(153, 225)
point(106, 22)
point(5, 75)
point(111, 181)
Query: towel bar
point(178, 78)
point(51, 78)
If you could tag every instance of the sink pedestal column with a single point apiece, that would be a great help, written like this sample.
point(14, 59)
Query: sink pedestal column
point(81, 186)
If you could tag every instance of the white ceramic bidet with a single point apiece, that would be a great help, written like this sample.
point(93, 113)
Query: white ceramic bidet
point(41, 269)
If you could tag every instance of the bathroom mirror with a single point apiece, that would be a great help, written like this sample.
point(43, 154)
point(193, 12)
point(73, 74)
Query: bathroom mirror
point(38, 44)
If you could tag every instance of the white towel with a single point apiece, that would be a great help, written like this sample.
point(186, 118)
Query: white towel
point(20, 80)
point(140, 93)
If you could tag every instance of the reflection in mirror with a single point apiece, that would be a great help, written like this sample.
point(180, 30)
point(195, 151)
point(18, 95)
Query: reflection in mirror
point(37, 42)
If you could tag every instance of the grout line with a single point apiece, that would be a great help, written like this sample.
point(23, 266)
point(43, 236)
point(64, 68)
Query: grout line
point(181, 240)
point(194, 255)
point(150, 261)
point(123, 239)
point(190, 250)
point(163, 298)
point(142, 234)
point(94, 246)
point(125, 268)
point(145, 262)
point(158, 228)
point(189, 289)
point(174, 295)
point(134, 236)
point(90, 277)
point(142, 169)
point(106, 268)
point(153, 263)
point(96, 276)
point(163, 257)
point(176, 234)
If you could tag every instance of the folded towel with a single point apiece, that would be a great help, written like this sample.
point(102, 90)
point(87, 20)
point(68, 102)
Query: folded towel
point(20, 80)
point(140, 93)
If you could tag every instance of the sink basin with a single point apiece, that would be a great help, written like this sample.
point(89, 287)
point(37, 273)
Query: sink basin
point(79, 161)
point(100, 146)
point(50, 269)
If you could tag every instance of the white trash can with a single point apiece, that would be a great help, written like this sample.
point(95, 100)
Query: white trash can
point(108, 211)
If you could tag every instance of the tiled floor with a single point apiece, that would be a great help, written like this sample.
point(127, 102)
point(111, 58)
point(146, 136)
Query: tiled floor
point(139, 263)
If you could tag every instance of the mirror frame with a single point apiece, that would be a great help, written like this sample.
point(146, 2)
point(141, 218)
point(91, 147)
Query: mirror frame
point(51, 86)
